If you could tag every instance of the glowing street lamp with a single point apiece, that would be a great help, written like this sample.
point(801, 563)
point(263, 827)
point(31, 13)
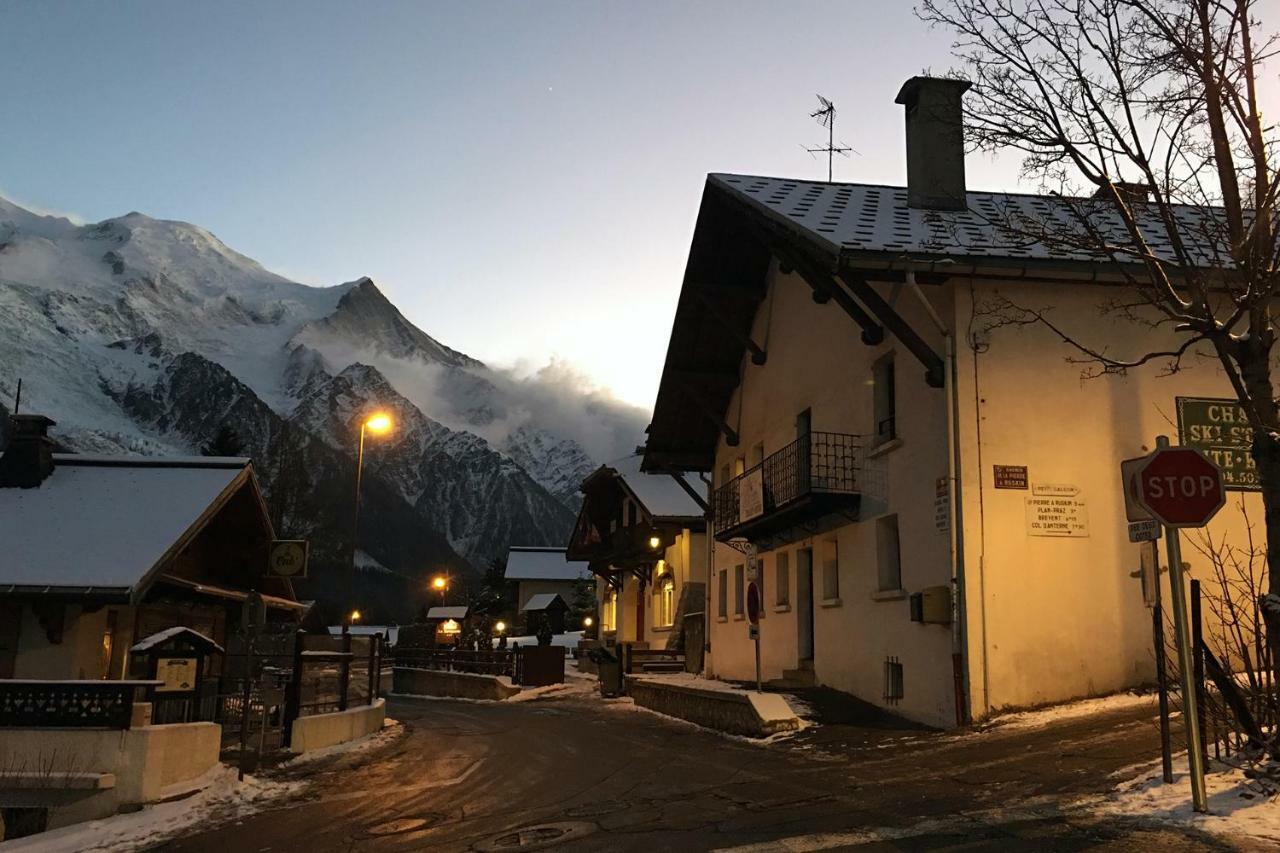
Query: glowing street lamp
point(440, 583)
point(654, 543)
point(378, 423)
point(355, 617)
point(500, 626)
point(587, 621)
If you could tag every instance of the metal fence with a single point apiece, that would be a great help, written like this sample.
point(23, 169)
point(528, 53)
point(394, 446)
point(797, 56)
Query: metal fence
point(482, 662)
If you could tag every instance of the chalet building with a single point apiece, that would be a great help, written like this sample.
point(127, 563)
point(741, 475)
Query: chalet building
point(931, 500)
point(100, 552)
point(644, 538)
point(536, 571)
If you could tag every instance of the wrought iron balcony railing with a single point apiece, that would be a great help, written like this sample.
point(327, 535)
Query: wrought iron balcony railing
point(820, 463)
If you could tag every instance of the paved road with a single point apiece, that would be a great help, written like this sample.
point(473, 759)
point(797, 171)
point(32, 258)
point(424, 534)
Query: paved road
point(579, 774)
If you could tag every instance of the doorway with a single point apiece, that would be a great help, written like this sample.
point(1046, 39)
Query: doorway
point(804, 604)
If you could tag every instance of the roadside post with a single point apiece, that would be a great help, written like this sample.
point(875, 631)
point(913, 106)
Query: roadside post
point(1147, 532)
point(1180, 487)
point(252, 617)
point(753, 624)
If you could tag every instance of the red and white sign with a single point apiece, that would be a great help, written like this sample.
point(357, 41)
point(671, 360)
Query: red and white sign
point(1181, 487)
point(753, 604)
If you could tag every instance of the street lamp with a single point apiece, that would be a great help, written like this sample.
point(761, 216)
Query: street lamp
point(654, 543)
point(587, 621)
point(500, 626)
point(377, 423)
point(440, 583)
point(355, 617)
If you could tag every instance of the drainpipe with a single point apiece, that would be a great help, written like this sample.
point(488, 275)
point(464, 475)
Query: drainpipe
point(954, 519)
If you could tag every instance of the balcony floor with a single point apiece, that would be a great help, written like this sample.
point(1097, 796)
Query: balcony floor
point(807, 513)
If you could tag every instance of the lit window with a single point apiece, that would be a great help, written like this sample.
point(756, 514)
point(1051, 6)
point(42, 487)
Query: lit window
point(666, 593)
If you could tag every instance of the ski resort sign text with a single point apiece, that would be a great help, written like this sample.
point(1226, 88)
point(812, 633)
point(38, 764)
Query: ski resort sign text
point(1220, 429)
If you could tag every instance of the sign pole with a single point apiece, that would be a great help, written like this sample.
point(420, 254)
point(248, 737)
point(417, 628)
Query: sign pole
point(1186, 665)
point(1162, 682)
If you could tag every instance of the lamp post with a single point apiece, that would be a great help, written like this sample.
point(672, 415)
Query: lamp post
point(377, 423)
point(440, 583)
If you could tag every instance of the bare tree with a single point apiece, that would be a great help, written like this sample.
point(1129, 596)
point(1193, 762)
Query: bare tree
point(1143, 117)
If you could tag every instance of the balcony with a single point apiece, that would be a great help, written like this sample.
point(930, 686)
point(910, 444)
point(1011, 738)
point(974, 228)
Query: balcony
point(813, 477)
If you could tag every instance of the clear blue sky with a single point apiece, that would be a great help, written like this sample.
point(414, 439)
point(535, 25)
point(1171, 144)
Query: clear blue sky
point(521, 178)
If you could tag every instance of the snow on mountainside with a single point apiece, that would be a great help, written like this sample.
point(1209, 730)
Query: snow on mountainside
point(145, 336)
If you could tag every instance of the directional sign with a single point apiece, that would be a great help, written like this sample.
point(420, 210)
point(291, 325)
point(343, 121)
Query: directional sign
point(1147, 530)
point(1181, 487)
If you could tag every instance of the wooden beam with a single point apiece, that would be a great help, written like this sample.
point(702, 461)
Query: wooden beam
point(690, 490)
point(758, 355)
point(822, 283)
point(901, 329)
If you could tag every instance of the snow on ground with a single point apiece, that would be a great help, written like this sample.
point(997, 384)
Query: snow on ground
point(223, 799)
point(568, 640)
point(1237, 806)
point(1071, 710)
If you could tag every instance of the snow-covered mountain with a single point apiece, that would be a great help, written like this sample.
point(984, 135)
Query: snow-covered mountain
point(147, 336)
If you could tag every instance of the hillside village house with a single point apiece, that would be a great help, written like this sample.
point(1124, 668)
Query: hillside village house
point(932, 500)
point(101, 552)
point(644, 538)
point(544, 571)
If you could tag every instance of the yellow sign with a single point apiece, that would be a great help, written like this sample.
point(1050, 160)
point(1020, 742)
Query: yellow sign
point(178, 675)
point(288, 558)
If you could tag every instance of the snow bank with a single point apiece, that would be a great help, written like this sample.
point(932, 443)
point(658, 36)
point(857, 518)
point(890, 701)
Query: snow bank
point(1237, 806)
point(1070, 711)
point(223, 799)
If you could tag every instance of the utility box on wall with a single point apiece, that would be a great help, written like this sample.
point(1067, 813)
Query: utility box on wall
point(932, 605)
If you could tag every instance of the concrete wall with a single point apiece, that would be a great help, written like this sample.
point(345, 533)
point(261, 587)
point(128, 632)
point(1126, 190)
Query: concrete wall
point(461, 685)
point(817, 362)
point(144, 760)
point(321, 730)
point(723, 710)
point(1054, 618)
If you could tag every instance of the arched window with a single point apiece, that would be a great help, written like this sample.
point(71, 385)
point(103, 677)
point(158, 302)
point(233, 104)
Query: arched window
point(666, 600)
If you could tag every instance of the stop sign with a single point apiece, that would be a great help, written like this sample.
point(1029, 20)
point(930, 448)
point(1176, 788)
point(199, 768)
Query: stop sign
point(753, 604)
point(1181, 487)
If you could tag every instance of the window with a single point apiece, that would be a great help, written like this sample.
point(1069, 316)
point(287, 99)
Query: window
point(887, 553)
point(724, 474)
point(666, 595)
point(739, 571)
point(782, 579)
point(724, 594)
point(608, 612)
point(757, 455)
point(884, 403)
point(893, 687)
point(830, 571)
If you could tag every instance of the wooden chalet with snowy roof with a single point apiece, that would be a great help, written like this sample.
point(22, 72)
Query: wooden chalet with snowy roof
point(102, 552)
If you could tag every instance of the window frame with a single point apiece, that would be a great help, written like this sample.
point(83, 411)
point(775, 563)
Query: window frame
point(888, 554)
point(782, 579)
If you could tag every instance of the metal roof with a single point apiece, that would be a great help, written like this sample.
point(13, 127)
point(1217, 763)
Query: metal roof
point(538, 563)
point(843, 220)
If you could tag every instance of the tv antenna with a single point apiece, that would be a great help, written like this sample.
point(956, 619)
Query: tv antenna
point(826, 116)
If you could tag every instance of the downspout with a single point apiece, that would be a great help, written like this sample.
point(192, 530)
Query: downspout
point(954, 511)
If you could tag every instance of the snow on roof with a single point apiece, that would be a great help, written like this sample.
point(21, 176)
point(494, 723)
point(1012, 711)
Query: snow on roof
point(168, 634)
point(661, 495)
point(104, 522)
point(549, 564)
point(851, 218)
point(391, 632)
point(453, 611)
point(542, 601)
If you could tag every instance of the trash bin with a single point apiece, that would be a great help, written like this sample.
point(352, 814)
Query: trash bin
point(609, 671)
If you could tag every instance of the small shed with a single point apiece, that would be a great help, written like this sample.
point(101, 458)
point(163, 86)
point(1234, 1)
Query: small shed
point(546, 607)
point(448, 621)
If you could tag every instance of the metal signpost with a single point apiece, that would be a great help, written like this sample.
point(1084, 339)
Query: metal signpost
point(1181, 487)
point(253, 616)
point(753, 617)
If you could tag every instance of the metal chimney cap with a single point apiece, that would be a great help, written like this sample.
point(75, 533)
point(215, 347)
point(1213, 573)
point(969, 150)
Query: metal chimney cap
point(910, 90)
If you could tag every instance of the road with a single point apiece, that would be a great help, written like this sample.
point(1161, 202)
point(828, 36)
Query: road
point(581, 774)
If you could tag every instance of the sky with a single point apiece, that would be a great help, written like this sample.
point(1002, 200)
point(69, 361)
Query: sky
point(520, 178)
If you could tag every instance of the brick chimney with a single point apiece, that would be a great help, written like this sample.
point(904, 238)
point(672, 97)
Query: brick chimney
point(28, 459)
point(935, 142)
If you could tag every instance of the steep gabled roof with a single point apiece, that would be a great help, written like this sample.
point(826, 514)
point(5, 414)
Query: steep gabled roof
point(105, 525)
